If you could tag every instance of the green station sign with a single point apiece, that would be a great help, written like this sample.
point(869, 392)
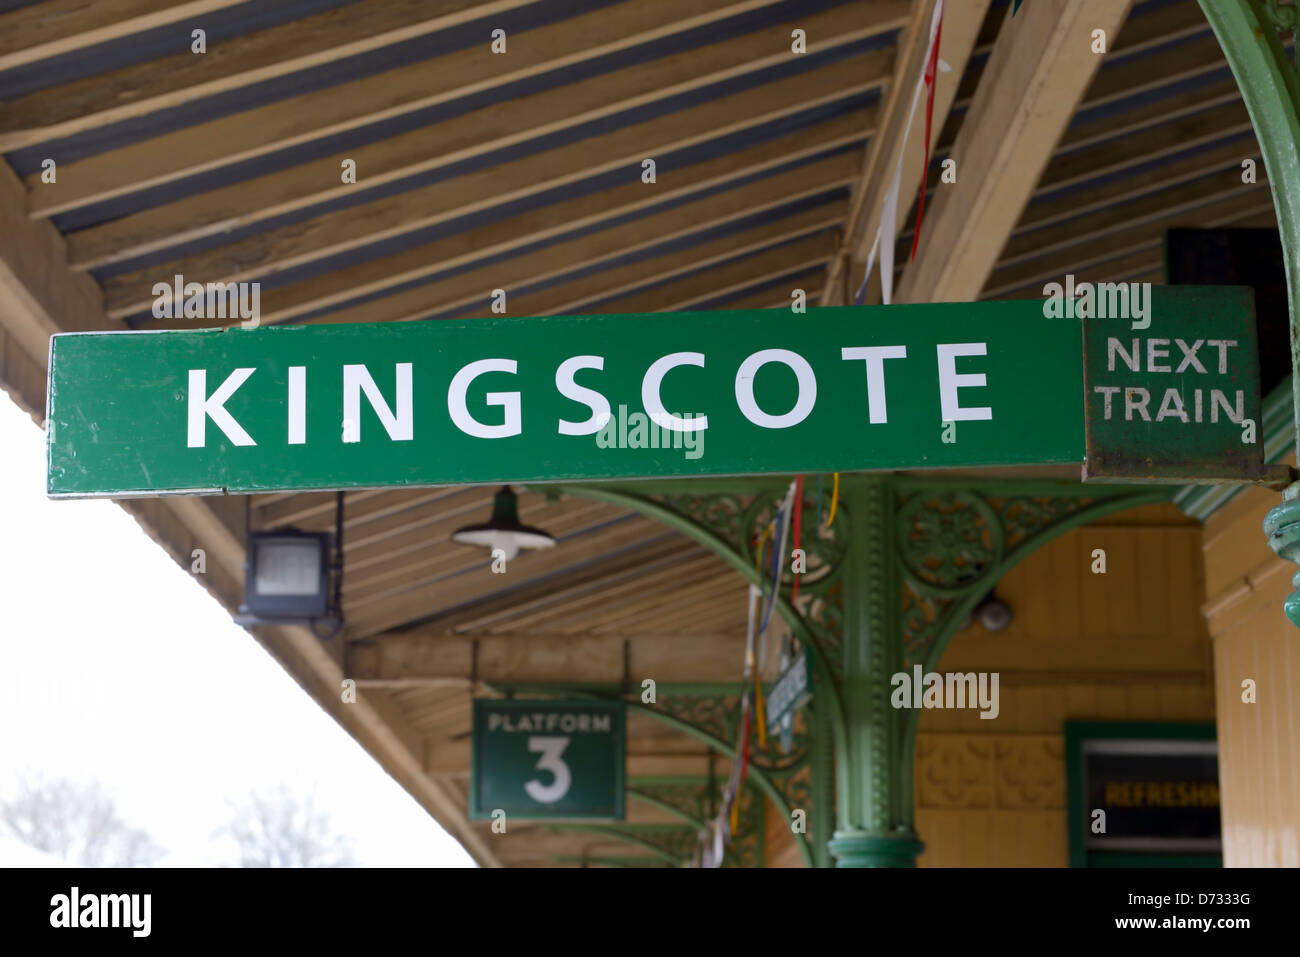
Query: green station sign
point(1178, 399)
point(790, 692)
point(517, 400)
point(548, 759)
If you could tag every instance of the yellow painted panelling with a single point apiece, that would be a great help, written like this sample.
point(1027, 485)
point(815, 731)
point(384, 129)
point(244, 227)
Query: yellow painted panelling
point(1153, 585)
point(1044, 709)
point(990, 800)
point(992, 838)
point(1259, 743)
point(1130, 645)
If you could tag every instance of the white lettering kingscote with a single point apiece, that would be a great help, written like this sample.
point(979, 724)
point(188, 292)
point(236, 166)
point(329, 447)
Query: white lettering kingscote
point(399, 419)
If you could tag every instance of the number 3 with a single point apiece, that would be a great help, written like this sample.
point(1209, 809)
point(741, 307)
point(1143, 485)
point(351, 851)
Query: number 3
point(551, 749)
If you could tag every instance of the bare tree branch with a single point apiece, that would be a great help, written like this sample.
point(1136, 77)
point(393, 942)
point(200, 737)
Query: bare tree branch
point(280, 830)
point(77, 823)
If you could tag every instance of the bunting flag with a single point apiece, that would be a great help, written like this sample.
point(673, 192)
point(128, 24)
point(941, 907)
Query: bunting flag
point(1015, 7)
point(798, 533)
point(931, 68)
point(888, 230)
point(781, 526)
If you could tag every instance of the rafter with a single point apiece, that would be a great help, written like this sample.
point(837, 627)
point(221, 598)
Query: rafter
point(1038, 72)
point(961, 26)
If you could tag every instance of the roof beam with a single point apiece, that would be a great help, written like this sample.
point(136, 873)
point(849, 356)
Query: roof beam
point(961, 27)
point(446, 660)
point(1040, 68)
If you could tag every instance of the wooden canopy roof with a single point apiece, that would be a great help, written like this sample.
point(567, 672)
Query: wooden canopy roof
point(523, 171)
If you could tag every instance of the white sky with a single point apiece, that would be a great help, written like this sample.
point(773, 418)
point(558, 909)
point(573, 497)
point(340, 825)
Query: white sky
point(116, 665)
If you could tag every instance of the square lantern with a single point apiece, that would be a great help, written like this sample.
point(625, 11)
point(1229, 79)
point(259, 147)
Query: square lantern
point(287, 575)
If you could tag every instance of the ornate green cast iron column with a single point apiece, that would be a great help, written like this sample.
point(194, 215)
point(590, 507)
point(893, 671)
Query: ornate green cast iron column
point(888, 586)
point(1250, 33)
point(874, 773)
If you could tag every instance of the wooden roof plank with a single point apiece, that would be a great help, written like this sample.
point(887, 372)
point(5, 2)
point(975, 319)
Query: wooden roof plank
point(557, 258)
point(40, 31)
point(185, 77)
point(482, 132)
point(264, 130)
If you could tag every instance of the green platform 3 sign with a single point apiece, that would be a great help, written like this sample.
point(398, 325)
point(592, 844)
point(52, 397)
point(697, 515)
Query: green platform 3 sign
point(548, 759)
point(607, 397)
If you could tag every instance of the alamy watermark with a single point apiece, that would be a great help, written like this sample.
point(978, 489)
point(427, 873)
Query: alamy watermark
point(951, 690)
point(1103, 300)
point(128, 911)
point(217, 300)
point(662, 430)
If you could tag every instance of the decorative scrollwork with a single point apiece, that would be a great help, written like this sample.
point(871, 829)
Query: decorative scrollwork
point(714, 714)
point(679, 841)
point(718, 715)
point(923, 619)
point(823, 546)
point(824, 616)
point(690, 798)
point(1283, 18)
point(739, 521)
point(723, 515)
point(1024, 517)
point(949, 540)
point(773, 760)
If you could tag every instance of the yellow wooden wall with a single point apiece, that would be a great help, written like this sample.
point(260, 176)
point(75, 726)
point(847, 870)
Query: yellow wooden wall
point(1259, 743)
point(1130, 645)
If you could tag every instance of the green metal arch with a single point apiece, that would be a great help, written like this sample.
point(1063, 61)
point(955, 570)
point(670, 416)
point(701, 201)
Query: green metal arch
point(1247, 31)
point(715, 544)
point(653, 801)
point(826, 690)
point(756, 774)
